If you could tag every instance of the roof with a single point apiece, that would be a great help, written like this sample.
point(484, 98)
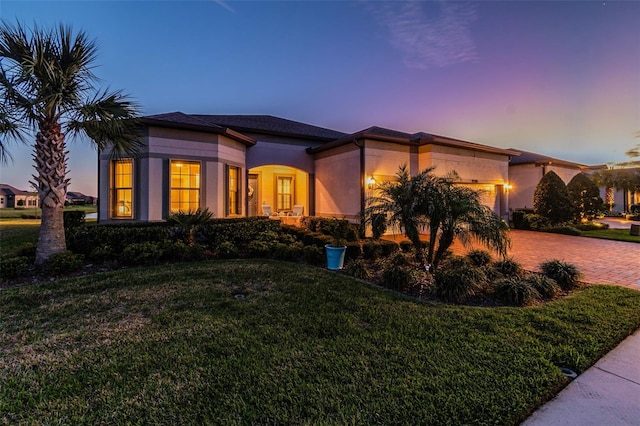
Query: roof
point(180, 120)
point(10, 190)
point(271, 125)
point(417, 139)
point(526, 157)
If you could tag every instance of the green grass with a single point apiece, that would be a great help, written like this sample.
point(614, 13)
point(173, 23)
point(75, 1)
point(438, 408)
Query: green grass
point(257, 342)
point(9, 213)
point(15, 233)
point(612, 234)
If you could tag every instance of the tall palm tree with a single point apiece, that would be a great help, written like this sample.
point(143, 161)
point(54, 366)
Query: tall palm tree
point(47, 87)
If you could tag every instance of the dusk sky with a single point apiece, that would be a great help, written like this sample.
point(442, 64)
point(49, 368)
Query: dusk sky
point(560, 78)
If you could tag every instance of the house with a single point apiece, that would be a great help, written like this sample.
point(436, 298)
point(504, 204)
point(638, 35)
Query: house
point(74, 197)
point(236, 164)
point(11, 197)
point(620, 187)
point(526, 170)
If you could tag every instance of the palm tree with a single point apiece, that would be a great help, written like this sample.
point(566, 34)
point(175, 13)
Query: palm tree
point(47, 87)
point(461, 214)
point(435, 203)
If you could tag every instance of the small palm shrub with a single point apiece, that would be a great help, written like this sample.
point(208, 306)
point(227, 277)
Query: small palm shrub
point(479, 257)
point(358, 268)
point(509, 268)
point(63, 262)
point(458, 279)
point(565, 274)
point(545, 286)
point(13, 267)
point(515, 291)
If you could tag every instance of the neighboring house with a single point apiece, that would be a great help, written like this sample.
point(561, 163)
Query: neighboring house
point(236, 164)
point(621, 199)
point(11, 197)
point(79, 198)
point(526, 170)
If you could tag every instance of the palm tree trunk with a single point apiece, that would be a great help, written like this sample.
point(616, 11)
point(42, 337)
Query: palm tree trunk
point(51, 182)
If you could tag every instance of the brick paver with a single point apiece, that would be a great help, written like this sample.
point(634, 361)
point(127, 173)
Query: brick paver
point(600, 261)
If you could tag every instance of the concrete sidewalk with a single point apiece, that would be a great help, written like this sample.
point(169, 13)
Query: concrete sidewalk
point(606, 394)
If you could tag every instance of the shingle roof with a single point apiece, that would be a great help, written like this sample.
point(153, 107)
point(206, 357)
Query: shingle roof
point(527, 157)
point(180, 120)
point(10, 190)
point(270, 124)
point(419, 138)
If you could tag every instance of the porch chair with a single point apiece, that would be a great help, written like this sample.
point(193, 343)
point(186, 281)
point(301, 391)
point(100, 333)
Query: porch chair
point(297, 211)
point(266, 210)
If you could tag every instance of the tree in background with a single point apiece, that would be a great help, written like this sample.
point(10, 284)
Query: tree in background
point(47, 87)
point(551, 199)
point(585, 197)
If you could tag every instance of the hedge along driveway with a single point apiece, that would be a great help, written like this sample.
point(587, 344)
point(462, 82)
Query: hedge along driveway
point(600, 261)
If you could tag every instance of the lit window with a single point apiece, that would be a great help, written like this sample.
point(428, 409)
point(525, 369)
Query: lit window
point(232, 182)
point(284, 193)
point(185, 186)
point(122, 189)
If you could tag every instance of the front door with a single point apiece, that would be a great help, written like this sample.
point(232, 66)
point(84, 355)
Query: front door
point(252, 195)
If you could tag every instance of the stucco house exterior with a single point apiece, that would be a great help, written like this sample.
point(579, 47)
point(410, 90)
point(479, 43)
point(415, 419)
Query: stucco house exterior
point(526, 170)
point(237, 165)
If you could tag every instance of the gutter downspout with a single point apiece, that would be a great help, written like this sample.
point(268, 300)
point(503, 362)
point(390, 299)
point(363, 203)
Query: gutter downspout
point(362, 176)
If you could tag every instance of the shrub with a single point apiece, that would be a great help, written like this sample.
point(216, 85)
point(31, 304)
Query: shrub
point(515, 291)
point(398, 277)
point(378, 225)
point(458, 279)
point(518, 218)
point(399, 259)
point(479, 257)
point(406, 246)
point(535, 221)
point(63, 263)
point(226, 250)
point(551, 199)
point(260, 248)
point(585, 196)
point(508, 268)
point(101, 254)
point(565, 274)
point(313, 255)
point(562, 229)
point(27, 250)
point(545, 286)
point(290, 252)
point(145, 253)
point(13, 267)
point(73, 218)
point(358, 268)
point(175, 251)
point(353, 251)
point(591, 226)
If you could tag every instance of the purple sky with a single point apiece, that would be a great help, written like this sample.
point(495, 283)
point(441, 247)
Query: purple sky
point(557, 78)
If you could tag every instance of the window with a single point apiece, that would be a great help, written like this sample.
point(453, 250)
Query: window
point(232, 191)
point(284, 193)
point(122, 189)
point(185, 186)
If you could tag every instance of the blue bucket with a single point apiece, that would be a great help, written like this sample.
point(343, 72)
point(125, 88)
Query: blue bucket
point(335, 257)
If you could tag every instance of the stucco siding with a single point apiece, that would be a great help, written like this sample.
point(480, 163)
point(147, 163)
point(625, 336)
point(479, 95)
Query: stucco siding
point(471, 166)
point(338, 183)
point(284, 152)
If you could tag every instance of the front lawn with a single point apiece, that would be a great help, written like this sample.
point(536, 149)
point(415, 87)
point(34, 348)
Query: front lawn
point(257, 342)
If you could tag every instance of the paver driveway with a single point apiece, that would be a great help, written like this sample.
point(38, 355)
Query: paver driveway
point(601, 261)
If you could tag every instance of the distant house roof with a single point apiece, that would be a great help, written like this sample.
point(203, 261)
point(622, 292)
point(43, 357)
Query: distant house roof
point(526, 157)
point(418, 139)
point(10, 190)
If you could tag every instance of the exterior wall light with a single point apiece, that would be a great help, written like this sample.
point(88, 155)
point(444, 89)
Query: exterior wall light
point(371, 182)
point(507, 187)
